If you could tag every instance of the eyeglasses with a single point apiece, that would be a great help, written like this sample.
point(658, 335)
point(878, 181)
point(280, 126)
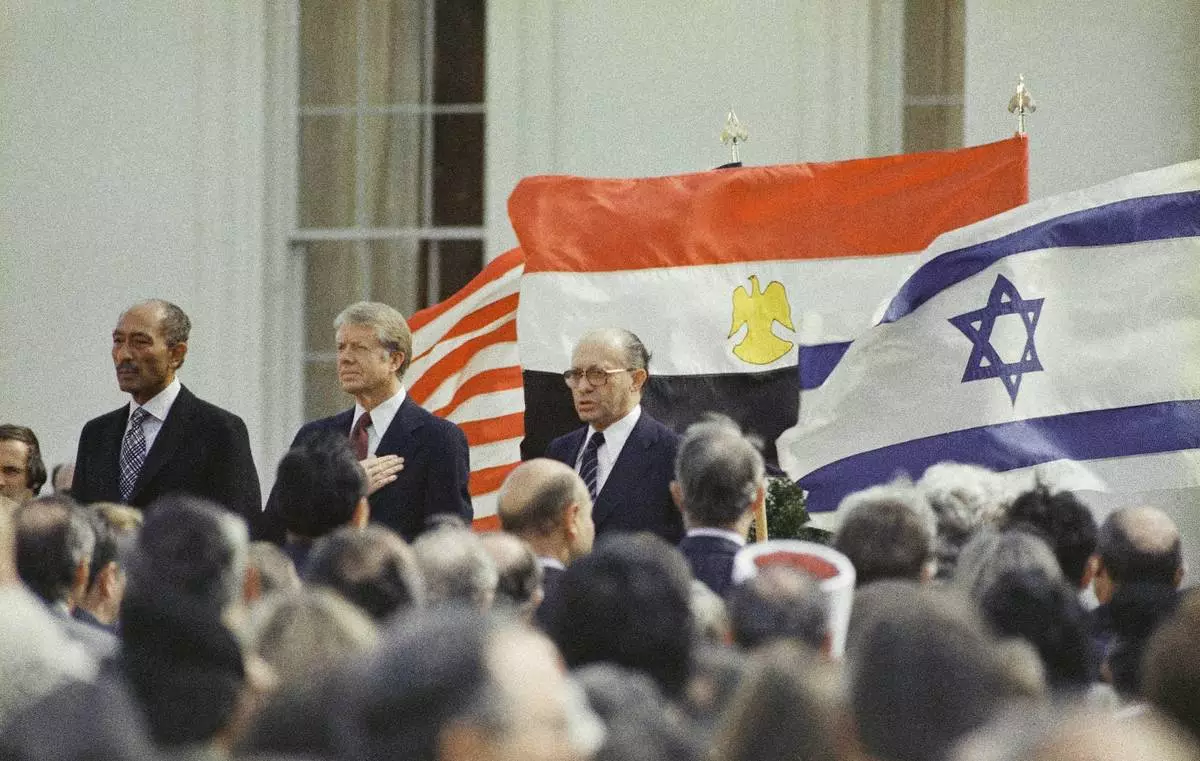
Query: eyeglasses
point(595, 376)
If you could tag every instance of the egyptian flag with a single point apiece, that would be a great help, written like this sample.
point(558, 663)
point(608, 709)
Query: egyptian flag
point(737, 280)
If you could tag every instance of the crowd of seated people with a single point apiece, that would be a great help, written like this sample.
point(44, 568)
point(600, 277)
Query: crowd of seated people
point(973, 635)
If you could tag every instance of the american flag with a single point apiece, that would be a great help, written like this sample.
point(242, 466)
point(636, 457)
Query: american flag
point(466, 369)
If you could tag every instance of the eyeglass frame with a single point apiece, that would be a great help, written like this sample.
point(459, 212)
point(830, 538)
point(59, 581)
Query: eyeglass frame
point(601, 373)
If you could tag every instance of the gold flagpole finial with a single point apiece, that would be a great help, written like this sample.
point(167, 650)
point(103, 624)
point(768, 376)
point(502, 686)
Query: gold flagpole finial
point(734, 133)
point(1021, 103)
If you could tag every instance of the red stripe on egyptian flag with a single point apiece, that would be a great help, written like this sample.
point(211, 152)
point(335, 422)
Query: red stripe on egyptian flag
point(863, 207)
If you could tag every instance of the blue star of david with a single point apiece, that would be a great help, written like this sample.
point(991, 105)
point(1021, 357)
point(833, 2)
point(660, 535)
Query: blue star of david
point(985, 361)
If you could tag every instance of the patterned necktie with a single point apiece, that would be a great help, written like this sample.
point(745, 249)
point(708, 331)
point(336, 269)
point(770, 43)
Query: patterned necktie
point(358, 436)
point(133, 453)
point(589, 468)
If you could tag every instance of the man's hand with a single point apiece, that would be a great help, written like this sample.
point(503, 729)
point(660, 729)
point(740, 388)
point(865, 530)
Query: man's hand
point(381, 471)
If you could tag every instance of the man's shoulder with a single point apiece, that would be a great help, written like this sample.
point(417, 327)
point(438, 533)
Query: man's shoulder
point(566, 445)
point(117, 415)
point(194, 405)
point(650, 427)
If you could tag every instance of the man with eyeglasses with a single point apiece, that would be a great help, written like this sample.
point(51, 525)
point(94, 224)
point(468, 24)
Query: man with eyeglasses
point(625, 457)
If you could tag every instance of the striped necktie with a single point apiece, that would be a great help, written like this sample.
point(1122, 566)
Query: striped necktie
point(133, 453)
point(589, 468)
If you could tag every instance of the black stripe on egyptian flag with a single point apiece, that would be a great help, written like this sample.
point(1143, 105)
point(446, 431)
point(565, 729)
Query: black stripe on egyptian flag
point(764, 404)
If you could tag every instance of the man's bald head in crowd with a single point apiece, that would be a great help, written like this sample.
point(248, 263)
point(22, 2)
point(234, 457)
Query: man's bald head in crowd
point(1137, 544)
point(546, 503)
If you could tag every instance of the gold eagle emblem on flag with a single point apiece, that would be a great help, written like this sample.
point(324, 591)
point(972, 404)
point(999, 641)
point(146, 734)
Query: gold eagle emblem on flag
point(760, 309)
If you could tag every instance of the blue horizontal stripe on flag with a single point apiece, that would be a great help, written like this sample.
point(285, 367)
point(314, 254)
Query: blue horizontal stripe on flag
point(817, 362)
point(1118, 432)
point(1173, 215)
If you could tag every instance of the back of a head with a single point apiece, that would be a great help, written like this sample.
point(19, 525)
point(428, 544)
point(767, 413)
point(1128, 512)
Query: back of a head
point(964, 499)
point(371, 567)
point(1140, 544)
point(456, 567)
point(274, 570)
point(787, 707)
point(54, 535)
point(519, 575)
point(1046, 613)
point(887, 532)
point(1171, 670)
point(430, 670)
point(719, 472)
point(318, 485)
point(992, 554)
point(307, 633)
point(628, 603)
point(1065, 522)
point(922, 671)
point(534, 497)
point(779, 602)
point(193, 548)
point(640, 724)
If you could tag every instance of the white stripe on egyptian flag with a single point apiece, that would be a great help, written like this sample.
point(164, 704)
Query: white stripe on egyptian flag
point(665, 256)
point(465, 368)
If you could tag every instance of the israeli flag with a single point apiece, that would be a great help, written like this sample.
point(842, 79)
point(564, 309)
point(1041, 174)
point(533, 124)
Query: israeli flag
point(1065, 332)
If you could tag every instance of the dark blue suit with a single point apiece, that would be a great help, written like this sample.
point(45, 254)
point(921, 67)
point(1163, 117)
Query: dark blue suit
point(435, 475)
point(711, 559)
point(637, 495)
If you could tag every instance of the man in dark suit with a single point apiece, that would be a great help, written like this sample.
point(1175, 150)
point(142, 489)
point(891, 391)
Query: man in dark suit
point(165, 440)
point(625, 457)
point(546, 504)
point(416, 463)
point(720, 480)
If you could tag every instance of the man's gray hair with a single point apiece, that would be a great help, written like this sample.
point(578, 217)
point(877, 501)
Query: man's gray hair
point(964, 499)
point(992, 554)
point(719, 471)
point(389, 325)
point(457, 567)
point(637, 357)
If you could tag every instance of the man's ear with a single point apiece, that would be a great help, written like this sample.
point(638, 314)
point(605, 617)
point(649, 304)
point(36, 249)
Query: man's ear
point(677, 495)
point(570, 520)
point(178, 353)
point(362, 513)
point(252, 587)
point(396, 359)
point(640, 376)
point(79, 583)
point(106, 579)
point(459, 741)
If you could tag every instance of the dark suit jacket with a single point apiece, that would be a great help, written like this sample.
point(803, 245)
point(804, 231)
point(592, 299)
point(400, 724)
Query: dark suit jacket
point(711, 559)
point(436, 468)
point(637, 495)
point(551, 606)
point(201, 449)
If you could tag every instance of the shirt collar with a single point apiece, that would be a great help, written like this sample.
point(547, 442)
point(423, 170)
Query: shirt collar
point(382, 415)
point(160, 404)
point(546, 562)
point(719, 533)
point(616, 434)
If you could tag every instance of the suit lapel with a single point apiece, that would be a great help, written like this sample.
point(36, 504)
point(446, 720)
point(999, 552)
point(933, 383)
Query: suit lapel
point(626, 471)
point(170, 436)
point(112, 436)
point(400, 431)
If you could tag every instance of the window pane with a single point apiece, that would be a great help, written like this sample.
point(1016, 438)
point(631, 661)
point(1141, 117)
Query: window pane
point(327, 182)
point(458, 67)
point(932, 128)
point(328, 52)
point(394, 181)
point(323, 395)
point(458, 262)
point(458, 169)
point(395, 52)
point(396, 274)
point(334, 279)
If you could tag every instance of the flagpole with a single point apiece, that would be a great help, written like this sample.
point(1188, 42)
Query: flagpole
point(1021, 103)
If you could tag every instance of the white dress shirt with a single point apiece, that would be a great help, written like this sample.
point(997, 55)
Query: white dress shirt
point(720, 533)
point(158, 407)
point(381, 418)
point(615, 437)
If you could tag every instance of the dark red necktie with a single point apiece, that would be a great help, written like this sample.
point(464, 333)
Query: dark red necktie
point(358, 436)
